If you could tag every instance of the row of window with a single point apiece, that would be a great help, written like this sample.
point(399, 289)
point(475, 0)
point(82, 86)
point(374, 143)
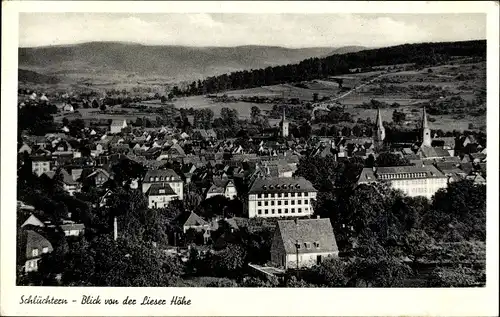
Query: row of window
point(280, 211)
point(277, 195)
point(34, 252)
point(161, 178)
point(403, 175)
point(285, 202)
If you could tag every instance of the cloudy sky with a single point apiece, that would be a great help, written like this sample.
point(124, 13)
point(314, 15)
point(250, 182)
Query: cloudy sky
point(288, 30)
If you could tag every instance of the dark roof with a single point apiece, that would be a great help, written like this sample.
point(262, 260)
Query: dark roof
point(32, 240)
point(427, 151)
point(281, 185)
point(309, 231)
point(160, 190)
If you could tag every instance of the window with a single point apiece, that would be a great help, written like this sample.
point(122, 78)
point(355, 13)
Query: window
point(279, 210)
point(266, 195)
point(151, 179)
point(259, 212)
point(292, 194)
point(259, 195)
point(306, 194)
point(266, 203)
point(272, 211)
point(259, 203)
point(299, 202)
point(308, 245)
point(299, 194)
point(293, 210)
point(279, 202)
point(286, 202)
point(272, 202)
point(266, 211)
point(34, 252)
point(306, 201)
point(316, 244)
point(280, 194)
point(299, 210)
point(45, 250)
point(286, 194)
point(286, 210)
point(292, 202)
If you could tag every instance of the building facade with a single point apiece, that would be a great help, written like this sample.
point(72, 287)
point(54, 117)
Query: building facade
point(40, 165)
point(164, 177)
point(302, 243)
point(411, 180)
point(281, 197)
point(160, 195)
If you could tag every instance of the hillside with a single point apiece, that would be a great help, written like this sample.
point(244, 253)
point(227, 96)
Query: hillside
point(175, 62)
point(27, 76)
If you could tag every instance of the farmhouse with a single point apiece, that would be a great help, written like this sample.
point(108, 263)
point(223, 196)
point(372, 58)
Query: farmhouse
point(31, 247)
point(117, 126)
point(302, 243)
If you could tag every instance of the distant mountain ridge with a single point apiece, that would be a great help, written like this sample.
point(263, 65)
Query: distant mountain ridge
point(176, 62)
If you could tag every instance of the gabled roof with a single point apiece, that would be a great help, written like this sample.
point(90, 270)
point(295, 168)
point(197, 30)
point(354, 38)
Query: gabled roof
point(160, 190)
point(282, 184)
point(32, 240)
point(195, 220)
point(428, 151)
point(312, 235)
point(118, 122)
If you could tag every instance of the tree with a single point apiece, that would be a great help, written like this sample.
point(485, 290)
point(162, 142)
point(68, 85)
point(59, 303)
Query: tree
point(95, 104)
point(255, 113)
point(456, 277)
point(417, 244)
point(383, 271)
point(386, 159)
point(330, 273)
point(398, 116)
point(228, 262)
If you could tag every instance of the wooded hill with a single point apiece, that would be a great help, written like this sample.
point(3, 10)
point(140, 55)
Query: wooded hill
point(423, 54)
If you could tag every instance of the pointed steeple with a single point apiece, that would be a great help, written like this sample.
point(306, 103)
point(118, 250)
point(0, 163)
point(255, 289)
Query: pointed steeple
point(426, 131)
point(380, 130)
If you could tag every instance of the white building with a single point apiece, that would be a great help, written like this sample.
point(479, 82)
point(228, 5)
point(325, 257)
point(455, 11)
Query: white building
point(223, 187)
point(40, 165)
point(412, 180)
point(160, 195)
point(280, 197)
point(164, 177)
point(303, 243)
point(117, 126)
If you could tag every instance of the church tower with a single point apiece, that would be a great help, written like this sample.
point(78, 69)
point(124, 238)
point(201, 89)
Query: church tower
point(380, 130)
point(284, 125)
point(426, 131)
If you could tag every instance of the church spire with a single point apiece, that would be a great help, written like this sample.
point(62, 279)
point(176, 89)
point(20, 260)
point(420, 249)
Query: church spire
point(426, 131)
point(380, 130)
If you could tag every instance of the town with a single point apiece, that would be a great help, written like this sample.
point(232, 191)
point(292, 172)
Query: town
point(291, 196)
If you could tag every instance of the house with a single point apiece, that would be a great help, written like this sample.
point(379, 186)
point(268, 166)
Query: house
point(97, 178)
point(30, 248)
point(25, 148)
point(33, 221)
point(72, 229)
point(40, 165)
point(195, 222)
point(160, 195)
point(163, 177)
point(117, 126)
point(278, 197)
point(414, 181)
point(68, 183)
point(223, 187)
point(68, 108)
point(302, 243)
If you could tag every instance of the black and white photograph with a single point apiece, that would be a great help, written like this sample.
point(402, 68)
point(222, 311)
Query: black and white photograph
point(251, 150)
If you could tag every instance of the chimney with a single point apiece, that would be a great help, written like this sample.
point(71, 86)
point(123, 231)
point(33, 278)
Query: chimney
point(317, 216)
point(115, 227)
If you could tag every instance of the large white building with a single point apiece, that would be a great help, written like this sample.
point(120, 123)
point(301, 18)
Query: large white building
point(412, 180)
point(164, 177)
point(280, 197)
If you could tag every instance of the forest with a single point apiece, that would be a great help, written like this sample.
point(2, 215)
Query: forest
point(422, 55)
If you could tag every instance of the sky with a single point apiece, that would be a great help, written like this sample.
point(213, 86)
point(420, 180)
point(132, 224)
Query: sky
point(223, 29)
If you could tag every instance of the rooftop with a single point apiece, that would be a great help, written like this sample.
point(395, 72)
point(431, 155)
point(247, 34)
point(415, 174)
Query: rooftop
point(281, 185)
point(312, 235)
